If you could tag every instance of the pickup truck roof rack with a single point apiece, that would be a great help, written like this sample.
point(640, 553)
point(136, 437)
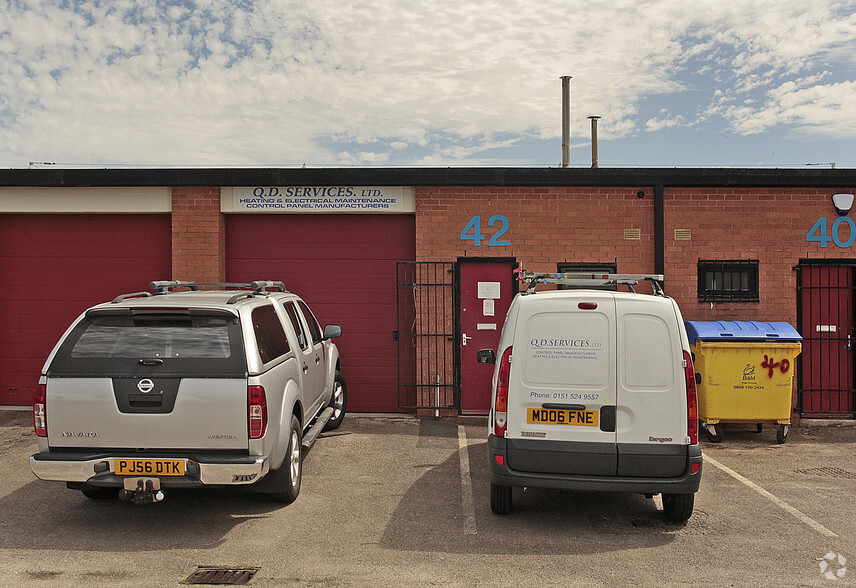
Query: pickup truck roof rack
point(590, 279)
point(167, 286)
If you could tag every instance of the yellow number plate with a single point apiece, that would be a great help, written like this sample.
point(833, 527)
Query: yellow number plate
point(149, 467)
point(561, 416)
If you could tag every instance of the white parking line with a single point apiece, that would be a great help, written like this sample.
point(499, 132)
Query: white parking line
point(774, 499)
point(466, 484)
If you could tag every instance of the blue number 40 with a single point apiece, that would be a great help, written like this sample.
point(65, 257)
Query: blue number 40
point(472, 231)
point(818, 233)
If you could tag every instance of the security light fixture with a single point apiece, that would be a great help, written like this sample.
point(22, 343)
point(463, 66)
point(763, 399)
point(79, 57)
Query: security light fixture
point(842, 203)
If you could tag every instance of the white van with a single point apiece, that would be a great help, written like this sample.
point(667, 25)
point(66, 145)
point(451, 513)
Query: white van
point(594, 390)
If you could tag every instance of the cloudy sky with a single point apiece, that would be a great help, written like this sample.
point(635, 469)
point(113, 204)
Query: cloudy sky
point(449, 82)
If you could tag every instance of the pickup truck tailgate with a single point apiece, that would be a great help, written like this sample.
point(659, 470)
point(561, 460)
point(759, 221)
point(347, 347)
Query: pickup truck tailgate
point(147, 413)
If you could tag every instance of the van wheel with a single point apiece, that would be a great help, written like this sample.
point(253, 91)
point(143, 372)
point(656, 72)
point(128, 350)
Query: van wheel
point(291, 469)
point(500, 499)
point(678, 507)
point(338, 401)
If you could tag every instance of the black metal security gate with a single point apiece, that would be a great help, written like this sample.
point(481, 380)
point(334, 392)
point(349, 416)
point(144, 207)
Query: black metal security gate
point(826, 299)
point(426, 335)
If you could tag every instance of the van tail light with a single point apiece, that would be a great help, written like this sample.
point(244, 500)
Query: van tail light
point(501, 401)
point(40, 416)
point(257, 411)
point(692, 399)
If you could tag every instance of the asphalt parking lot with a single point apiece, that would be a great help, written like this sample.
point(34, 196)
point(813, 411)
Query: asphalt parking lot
point(397, 501)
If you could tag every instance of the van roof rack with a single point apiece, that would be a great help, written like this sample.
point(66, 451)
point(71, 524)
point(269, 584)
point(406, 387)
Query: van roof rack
point(167, 286)
point(590, 279)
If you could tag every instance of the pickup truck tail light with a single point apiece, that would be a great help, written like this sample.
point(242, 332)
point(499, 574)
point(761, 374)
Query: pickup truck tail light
point(257, 411)
point(692, 399)
point(40, 416)
point(500, 410)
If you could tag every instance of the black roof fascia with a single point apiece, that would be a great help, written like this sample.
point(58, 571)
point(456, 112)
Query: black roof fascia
point(448, 176)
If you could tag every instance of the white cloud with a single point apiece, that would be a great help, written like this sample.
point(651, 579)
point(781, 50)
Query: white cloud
point(825, 109)
point(269, 83)
point(655, 124)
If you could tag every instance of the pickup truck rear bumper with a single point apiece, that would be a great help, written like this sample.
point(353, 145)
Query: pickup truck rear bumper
point(200, 469)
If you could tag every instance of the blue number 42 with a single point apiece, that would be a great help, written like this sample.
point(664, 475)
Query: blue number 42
point(472, 231)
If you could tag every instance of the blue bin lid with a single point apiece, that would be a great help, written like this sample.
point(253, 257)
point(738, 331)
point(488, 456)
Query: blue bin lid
point(740, 331)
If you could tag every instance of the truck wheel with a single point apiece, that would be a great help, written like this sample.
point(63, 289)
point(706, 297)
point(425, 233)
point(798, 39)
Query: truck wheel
point(291, 470)
point(99, 493)
point(338, 401)
point(500, 499)
point(678, 507)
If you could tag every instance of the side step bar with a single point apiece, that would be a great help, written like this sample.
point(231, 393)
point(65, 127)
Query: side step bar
point(312, 434)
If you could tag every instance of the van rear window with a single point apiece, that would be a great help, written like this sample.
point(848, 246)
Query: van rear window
point(649, 352)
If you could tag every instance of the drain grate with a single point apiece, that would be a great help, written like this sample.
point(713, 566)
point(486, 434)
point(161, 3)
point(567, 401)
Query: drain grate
point(221, 575)
point(828, 472)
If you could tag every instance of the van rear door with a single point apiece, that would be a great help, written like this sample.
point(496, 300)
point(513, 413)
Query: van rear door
point(651, 414)
point(562, 394)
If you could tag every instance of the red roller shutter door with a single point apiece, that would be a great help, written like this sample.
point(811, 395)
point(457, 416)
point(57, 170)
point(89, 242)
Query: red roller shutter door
point(344, 266)
point(54, 266)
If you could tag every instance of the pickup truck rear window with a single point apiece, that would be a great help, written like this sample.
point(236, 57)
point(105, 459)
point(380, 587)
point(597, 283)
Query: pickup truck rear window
point(132, 342)
point(154, 336)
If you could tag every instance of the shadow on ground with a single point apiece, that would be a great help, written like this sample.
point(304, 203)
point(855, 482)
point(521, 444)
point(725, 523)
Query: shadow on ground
point(430, 516)
point(46, 515)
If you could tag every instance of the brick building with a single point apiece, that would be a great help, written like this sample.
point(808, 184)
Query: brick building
point(416, 264)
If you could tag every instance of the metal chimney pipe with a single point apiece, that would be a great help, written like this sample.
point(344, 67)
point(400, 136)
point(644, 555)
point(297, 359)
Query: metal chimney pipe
point(593, 119)
point(566, 120)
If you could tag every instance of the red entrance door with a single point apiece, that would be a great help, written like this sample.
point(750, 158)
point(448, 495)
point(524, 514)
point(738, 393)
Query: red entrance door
point(486, 290)
point(826, 324)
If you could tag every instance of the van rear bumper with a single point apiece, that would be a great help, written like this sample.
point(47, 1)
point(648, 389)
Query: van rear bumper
point(503, 475)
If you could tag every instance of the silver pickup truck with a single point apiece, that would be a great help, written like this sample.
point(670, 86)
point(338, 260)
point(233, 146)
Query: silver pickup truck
point(190, 388)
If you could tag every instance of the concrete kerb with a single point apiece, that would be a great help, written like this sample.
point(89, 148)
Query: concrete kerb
point(804, 422)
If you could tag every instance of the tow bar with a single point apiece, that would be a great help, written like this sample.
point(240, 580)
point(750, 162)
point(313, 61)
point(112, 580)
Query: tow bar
point(141, 491)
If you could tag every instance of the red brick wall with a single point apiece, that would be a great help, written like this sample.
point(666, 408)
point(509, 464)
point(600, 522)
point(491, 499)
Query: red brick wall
point(546, 225)
point(549, 225)
point(198, 235)
point(766, 224)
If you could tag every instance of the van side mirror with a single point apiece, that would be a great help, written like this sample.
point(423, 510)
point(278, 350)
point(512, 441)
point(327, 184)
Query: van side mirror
point(486, 356)
point(332, 331)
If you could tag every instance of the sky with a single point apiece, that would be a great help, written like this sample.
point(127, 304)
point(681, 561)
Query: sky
point(281, 83)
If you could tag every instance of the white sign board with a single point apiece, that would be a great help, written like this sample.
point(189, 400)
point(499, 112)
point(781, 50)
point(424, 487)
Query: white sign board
point(319, 199)
point(489, 290)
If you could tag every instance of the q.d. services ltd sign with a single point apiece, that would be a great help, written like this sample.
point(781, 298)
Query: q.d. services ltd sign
point(319, 199)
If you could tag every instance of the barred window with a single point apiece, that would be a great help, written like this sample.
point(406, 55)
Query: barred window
point(728, 280)
point(587, 267)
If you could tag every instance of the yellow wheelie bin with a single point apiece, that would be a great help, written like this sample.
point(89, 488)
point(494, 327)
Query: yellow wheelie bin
point(744, 373)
